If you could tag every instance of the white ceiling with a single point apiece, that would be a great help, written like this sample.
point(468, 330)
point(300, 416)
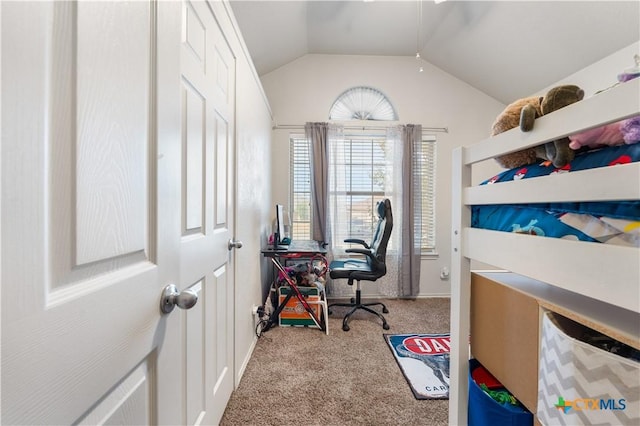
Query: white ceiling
point(506, 49)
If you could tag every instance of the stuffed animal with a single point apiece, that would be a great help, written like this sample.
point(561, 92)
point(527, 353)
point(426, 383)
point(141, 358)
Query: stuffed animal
point(630, 129)
point(631, 73)
point(618, 133)
point(523, 113)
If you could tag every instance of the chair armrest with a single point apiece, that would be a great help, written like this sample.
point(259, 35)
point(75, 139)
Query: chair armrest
point(357, 241)
point(366, 252)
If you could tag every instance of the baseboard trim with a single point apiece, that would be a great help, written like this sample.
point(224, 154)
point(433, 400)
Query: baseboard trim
point(245, 362)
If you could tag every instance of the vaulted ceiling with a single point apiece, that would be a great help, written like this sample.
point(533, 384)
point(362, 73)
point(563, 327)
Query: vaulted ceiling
point(506, 49)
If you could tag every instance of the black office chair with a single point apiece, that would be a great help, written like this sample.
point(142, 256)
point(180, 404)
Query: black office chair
point(372, 267)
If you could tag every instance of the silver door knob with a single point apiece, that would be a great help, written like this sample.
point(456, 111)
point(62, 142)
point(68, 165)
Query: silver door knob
point(234, 244)
point(171, 297)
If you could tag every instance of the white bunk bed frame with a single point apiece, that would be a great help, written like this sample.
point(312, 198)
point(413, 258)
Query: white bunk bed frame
point(601, 271)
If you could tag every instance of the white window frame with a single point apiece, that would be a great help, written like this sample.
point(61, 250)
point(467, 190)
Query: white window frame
point(300, 190)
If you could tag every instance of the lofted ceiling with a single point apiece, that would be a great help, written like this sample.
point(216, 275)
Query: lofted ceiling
point(506, 49)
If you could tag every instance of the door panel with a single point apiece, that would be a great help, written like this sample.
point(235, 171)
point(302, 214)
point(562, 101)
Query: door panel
point(110, 126)
point(98, 199)
point(194, 327)
point(193, 152)
point(222, 173)
point(221, 343)
point(130, 402)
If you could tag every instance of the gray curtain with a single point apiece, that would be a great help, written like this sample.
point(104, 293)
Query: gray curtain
point(317, 134)
point(410, 257)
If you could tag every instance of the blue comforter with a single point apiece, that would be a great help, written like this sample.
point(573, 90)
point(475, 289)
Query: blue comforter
point(612, 222)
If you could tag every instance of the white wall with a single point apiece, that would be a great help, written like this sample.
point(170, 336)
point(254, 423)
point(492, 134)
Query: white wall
point(602, 74)
point(253, 204)
point(253, 193)
point(305, 89)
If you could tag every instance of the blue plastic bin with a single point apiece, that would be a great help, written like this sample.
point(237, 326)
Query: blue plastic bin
point(485, 411)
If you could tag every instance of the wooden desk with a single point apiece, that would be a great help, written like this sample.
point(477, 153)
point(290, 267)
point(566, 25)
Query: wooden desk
point(300, 248)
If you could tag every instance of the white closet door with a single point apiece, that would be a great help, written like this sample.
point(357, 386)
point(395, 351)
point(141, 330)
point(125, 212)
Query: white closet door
point(207, 92)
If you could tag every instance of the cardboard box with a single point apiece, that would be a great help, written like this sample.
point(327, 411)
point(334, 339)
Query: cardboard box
point(505, 335)
point(294, 314)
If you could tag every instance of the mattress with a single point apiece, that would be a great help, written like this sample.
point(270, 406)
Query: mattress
point(605, 222)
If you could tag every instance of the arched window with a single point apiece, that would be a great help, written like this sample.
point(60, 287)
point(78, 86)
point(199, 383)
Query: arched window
point(362, 103)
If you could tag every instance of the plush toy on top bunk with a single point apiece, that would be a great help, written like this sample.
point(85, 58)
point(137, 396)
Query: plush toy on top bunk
point(612, 134)
point(618, 133)
point(523, 113)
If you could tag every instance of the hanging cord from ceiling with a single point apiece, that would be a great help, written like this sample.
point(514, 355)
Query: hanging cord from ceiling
point(419, 25)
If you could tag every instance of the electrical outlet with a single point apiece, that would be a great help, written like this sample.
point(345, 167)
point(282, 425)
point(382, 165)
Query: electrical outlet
point(444, 273)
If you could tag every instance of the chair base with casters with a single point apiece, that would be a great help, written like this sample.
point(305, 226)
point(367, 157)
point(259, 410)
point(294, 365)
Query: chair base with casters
point(355, 304)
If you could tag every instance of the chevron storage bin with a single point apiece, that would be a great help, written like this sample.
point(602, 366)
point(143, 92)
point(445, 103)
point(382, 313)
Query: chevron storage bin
point(581, 384)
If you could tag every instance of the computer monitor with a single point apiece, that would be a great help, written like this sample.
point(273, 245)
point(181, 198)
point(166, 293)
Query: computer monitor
point(280, 233)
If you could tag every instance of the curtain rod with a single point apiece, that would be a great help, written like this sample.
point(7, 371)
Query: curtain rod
point(301, 127)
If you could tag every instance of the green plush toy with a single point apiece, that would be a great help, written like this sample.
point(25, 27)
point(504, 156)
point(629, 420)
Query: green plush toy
point(500, 396)
point(523, 113)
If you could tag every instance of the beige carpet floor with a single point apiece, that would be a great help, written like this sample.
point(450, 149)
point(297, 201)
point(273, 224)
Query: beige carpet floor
point(300, 376)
